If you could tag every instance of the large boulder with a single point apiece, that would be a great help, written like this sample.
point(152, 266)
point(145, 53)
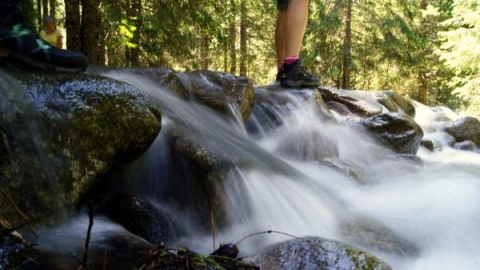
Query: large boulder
point(465, 129)
point(140, 216)
point(315, 253)
point(308, 145)
point(403, 103)
point(217, 90)
point(196, 181)
point(361, 103)
point(374, 236)
point(62, 132)
point(397, 130)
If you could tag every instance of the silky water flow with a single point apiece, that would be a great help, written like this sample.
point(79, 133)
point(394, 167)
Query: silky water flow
point(284, 181)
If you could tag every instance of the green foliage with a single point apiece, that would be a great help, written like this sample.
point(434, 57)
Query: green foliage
point(427, 50)
point(461, 51)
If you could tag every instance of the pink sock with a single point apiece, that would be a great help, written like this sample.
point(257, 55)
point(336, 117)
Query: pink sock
point(291, 59)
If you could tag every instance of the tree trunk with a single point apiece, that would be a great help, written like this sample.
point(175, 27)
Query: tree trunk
point(233, 51)
point(45, 7)
point(72, 24)
point(347, 47)
point(204, 44)
point(243, 38)
point(225, 54)
point(92, 40)
point(422, 89)
point(40, 14)
point(53, 8)
point(233, 39)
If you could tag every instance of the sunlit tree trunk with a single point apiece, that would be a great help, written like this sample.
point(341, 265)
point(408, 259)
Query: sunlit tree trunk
point(422, 89)
point(347, 47)
point(243, 38)
point(233, 39)
point(204, 43)
point(72, 24)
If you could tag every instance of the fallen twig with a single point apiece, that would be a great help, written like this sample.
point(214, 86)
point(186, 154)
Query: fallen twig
point(89, 232)
point(22, 215)
point(265, 232)
point(212, 224)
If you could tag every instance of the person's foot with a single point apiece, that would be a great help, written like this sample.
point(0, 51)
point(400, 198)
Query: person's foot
point(295, 76)
point(279, 75)
point(25, 46)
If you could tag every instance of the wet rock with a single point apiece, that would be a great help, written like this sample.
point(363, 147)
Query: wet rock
point(398, 131)
point(216, 90)
point(63, 132)
point(315, 253)
point(15, 252)
point(274, 102)
point(349, 169)
point(464, 129)
point(140, 217)
point(385, 98)
point(404, 103)
point(465, 145)
point(113, 250)
point(428, 144)
point(307, 145)
point(361, 103)
point(265, 118)
point(196, 181)
point(373, 235)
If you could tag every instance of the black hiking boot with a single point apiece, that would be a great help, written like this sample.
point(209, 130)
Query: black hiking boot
point(295, 76)
point(24, 45)
point(279, 75)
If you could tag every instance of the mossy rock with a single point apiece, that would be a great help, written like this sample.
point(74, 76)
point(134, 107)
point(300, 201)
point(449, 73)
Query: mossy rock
point(63, 132)
point(316, 253)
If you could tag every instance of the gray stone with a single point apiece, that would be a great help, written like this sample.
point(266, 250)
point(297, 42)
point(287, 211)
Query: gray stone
point(464, 129)
point(315, 253)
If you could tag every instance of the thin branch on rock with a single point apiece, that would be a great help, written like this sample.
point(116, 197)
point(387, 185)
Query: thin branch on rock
point(265, 232)
point(22, 215)
point(212, 224)
point(89, 232)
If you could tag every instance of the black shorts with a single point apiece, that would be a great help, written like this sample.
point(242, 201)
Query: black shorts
point(282, 4)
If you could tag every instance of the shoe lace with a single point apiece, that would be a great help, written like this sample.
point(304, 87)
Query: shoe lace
point(304, 72)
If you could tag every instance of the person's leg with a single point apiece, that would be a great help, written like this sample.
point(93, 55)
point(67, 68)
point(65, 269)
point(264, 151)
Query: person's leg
point(293, 75)
point(25, 46)
point(296, 18)
point(280, 37)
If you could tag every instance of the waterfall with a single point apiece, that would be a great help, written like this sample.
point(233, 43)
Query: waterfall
point(285, 181)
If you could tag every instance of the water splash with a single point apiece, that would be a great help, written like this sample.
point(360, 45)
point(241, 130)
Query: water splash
point(433, 207)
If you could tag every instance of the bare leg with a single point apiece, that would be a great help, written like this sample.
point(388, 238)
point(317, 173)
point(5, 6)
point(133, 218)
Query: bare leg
point(296, 23)
point(280, 37)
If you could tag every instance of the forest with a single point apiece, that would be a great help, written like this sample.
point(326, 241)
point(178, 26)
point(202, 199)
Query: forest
point(425, 50)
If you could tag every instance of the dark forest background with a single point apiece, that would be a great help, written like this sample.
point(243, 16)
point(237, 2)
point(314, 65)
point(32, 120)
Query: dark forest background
point(426, 50)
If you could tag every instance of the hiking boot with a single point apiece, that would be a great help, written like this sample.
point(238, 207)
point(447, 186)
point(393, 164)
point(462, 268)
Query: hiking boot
point(279, 75)
point(295, 76)
point(25, 46)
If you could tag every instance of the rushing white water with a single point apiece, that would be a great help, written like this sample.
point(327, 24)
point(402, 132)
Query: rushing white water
point(434, 207)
